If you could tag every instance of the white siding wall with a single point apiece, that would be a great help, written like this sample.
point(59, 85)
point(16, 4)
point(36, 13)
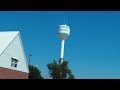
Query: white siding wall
point(14, 50)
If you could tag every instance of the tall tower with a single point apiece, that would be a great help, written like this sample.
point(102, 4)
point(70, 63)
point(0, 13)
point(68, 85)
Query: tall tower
point(63, 33)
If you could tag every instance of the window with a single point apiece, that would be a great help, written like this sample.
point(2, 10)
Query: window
point(14, 62)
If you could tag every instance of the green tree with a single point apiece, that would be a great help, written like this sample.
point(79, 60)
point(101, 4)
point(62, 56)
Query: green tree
point(60, 71)
point(35, 73)
point(71, 76)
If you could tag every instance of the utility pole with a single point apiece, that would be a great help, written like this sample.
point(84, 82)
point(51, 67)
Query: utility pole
point(29, 58)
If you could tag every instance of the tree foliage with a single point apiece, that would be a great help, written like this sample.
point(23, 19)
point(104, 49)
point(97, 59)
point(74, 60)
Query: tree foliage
point(35, 73)
point(60, 71)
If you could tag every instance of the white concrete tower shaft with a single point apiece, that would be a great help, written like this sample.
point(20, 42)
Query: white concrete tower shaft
point(62, 49)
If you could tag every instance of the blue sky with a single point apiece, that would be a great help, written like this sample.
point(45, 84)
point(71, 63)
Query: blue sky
point(93, 48)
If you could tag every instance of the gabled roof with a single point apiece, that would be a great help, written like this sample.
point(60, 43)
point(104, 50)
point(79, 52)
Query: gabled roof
point(6, 38)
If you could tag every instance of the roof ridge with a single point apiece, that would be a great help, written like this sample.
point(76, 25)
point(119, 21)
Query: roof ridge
point(9, 31)
point(9, 42)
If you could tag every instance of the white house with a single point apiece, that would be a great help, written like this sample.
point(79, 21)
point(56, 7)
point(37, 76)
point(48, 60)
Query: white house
point(13, 63)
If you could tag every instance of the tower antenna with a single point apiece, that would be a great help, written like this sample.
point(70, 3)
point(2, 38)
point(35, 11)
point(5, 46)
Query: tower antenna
point(64, 20)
